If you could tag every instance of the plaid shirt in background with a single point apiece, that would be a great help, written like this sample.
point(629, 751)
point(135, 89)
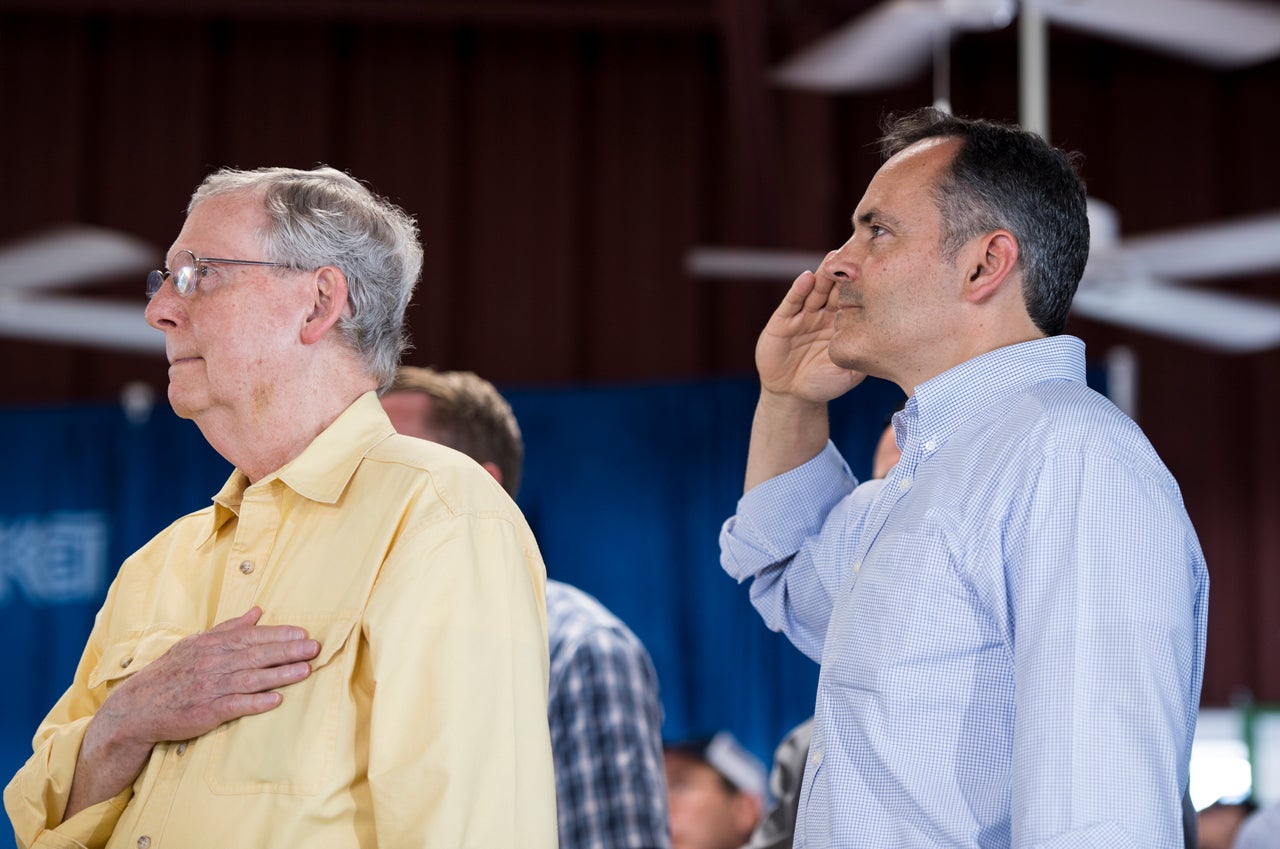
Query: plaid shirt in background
point(606, 729)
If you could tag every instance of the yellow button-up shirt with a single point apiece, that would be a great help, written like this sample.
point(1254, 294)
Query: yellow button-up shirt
point(424, 721)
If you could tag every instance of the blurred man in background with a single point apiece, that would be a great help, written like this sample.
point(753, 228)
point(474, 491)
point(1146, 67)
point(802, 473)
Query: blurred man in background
point(717, 790)
point(605, 713)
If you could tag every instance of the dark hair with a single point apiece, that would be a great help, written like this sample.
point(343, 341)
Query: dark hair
point(469, 415)
point(1007, 178)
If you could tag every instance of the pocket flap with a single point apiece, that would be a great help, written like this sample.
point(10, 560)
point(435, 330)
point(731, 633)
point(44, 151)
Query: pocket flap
point(330, 630)
point(134, 651)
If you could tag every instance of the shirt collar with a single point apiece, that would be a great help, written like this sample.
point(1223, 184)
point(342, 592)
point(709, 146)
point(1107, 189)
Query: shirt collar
point(323, 469)
point(940, 405)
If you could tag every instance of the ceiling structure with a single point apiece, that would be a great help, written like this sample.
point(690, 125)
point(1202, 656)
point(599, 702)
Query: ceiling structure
point(761, 68)
point(1131, 283)
point(842, 50)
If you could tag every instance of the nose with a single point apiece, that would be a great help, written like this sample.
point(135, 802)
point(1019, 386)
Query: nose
point(842, 263)
point(166, 308)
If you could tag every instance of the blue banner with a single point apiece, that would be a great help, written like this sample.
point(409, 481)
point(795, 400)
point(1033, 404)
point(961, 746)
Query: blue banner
point(625, 488)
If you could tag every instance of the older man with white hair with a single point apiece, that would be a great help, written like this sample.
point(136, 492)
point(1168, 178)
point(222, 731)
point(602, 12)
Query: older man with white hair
point(348, 648)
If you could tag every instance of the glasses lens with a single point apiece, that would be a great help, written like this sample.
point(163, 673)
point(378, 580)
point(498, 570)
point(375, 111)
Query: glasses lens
point(154, 281)
point(183, 271)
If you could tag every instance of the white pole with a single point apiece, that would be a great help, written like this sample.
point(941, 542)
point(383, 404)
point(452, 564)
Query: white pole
point(1033, 61)
point(942, 67)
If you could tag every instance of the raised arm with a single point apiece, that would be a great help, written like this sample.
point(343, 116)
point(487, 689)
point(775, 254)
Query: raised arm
point(797, 379)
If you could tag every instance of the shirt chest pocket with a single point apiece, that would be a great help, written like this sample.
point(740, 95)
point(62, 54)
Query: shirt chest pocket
point(131, 653)
point(293, 748)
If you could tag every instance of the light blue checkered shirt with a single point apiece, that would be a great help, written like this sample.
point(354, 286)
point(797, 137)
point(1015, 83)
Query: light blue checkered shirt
point(1011, 626)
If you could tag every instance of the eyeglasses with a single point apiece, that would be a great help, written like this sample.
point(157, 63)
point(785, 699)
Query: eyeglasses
point(187, 270)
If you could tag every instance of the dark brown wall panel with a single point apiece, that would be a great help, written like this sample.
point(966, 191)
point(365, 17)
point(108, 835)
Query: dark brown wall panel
point(1261, 578)
point(148, 144)
point(277, 95)
point(404, 128)
point(45, 69)
point(519, 315)
point(647, 125)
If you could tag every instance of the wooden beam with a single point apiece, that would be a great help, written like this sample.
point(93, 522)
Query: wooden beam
point(750, 136)
point(638, 14)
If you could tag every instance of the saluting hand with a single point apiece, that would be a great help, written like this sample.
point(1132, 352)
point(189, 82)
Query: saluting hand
point(791, 353)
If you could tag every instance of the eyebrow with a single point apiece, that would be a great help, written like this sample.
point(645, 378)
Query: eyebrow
point(873, 216)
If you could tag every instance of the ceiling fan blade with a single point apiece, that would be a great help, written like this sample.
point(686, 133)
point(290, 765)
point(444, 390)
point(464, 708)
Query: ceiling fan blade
point(1222, 33)
point(1231, 323)
point(1217, 250)
point(749, 263)
point(79, 321)
point(886, 45)
point(68, 256)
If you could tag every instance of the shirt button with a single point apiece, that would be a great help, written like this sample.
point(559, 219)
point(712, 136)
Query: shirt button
point(815, 756)
point(124, 664)
point(904, 484)
point(930, 445)
point(246, 566)
point(182, 748)
point(144, 842)
point(857, 565)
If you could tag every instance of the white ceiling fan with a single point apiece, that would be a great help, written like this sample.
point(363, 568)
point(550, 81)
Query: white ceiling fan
point(67, 257)
point(1132, 282)
point(895, 39)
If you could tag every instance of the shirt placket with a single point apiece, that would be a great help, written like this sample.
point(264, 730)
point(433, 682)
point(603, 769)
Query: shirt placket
point(244, 570)
point(896, 486)
point(246, 564)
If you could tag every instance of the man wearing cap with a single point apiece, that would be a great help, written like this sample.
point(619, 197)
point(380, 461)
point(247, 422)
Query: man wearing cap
point(716, 790)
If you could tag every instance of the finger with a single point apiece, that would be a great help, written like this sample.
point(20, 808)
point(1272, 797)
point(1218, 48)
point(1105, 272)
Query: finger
point(244, 630)
point(265, 655)
point(823, 293)
point(257, 635)
point(237, 705)
point(794, 301)
point(261, 680)
point(249, 617)
point(219, 655)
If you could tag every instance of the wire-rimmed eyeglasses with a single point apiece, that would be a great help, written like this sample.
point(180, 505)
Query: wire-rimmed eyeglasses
point(187, 270)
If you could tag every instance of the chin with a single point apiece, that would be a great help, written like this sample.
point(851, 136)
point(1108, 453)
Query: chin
point(181, 405)
point(843, 357)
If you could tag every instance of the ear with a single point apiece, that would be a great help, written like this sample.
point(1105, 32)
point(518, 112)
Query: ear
point(329, 294)
point(989, 261)
point(746, 811)
point(492, 468)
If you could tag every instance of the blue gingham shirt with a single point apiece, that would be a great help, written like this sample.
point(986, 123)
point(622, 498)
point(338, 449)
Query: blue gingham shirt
point(1011, 626)
point(606, 728)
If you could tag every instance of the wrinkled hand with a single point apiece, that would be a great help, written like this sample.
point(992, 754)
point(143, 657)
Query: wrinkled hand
point(202, 681)
point(207, 679)
point(791, 353)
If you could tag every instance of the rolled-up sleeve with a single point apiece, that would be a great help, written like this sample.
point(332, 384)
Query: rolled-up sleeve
point(791, 535)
